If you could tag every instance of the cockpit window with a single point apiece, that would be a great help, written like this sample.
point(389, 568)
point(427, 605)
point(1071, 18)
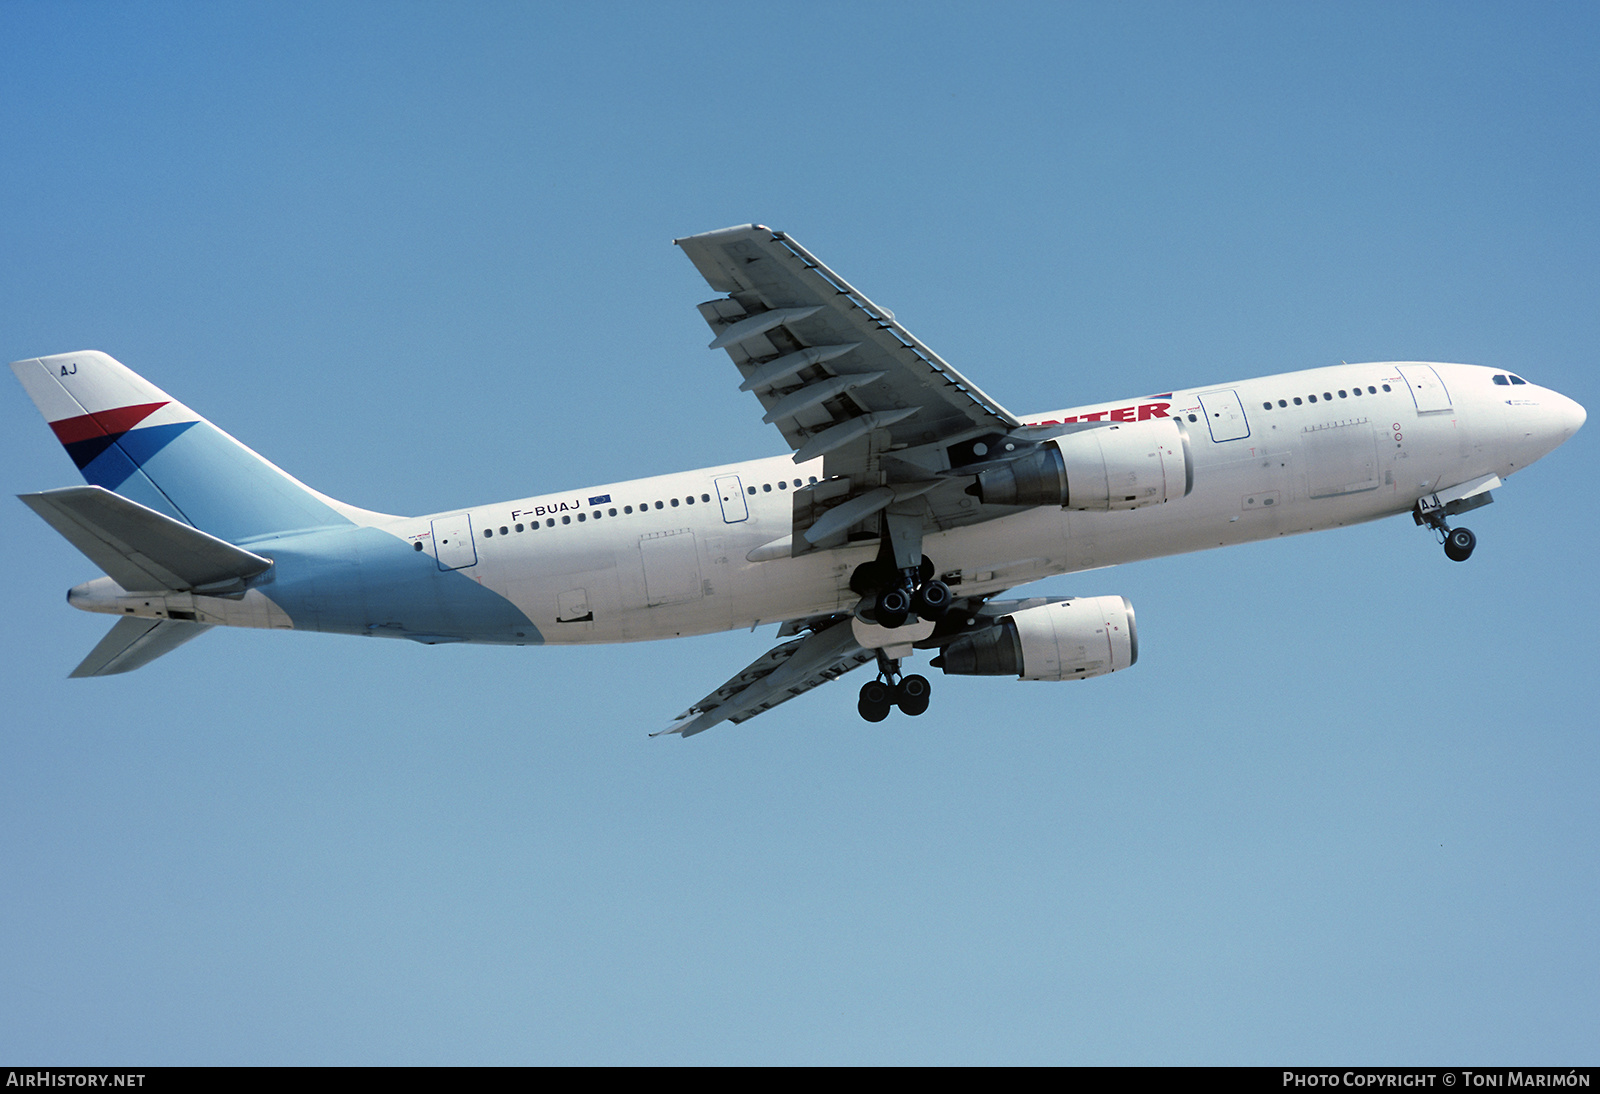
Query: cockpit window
point(1518, 380)
point(1502, 381)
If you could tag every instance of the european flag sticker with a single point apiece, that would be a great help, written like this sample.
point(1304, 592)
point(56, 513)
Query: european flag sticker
point(600, 499)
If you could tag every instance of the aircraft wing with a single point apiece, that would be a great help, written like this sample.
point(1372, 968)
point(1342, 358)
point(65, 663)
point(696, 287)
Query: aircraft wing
point(843, 381)
point(791, 669)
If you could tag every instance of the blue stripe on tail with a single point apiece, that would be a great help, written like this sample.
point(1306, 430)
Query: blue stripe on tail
point(197, 473)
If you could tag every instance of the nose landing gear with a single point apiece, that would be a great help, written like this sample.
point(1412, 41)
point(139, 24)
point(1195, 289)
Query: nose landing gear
point(1432, 509)
point(1458, 542)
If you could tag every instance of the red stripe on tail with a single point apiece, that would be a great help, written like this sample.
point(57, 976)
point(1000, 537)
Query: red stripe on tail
point(106, 423)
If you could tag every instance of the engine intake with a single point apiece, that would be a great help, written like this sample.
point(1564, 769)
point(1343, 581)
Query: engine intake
point(1123, 465)
point(1072, 639)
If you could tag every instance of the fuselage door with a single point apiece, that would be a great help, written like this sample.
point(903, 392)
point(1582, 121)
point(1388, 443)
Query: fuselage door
point(1225, 416)
point(572, 606)
point(731, 491)
point(452, 542)
point(671, 567)
point(1427, 390)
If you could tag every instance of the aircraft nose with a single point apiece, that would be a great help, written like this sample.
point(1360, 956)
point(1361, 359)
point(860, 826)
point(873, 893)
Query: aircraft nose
point(1557, 420)
point(1569, 415)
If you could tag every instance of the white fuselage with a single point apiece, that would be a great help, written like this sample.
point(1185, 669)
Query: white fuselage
point(704, 550)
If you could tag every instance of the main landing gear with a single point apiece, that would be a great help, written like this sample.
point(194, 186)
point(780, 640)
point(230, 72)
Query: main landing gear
point(1458, 542)
point(895, 587)
point(927, 599)
point(898, 595)
point(890, 689)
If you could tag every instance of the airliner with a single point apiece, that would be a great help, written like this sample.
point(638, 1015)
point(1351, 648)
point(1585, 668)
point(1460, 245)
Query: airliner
point(910, 501)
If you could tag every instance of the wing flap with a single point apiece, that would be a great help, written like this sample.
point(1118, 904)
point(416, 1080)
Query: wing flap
point(134, 643)
point(780, 674)
point(842, 380)
point(139, 548)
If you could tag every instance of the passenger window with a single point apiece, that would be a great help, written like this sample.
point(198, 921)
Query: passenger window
point(752, 490)
point(551, 523)
point(766, 487)
point(1386, 387)
point(488, 533)
point(705, 497)
point(1328, 395)
point(503, 530)
point(1282, 402)
point(1313, 398)
point(1297, 400)
point(674, 503)
point(627, 508)
point(1192, 418)
point(1342, 394)
point(582, 517)
point(1266, 406)
point(660, 506)
point(519, 527)
point(783, 484)
point(611, 512)
point(566, 520)
point(417, 545)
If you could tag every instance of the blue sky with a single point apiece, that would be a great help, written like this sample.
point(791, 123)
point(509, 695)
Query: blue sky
point(419, 255)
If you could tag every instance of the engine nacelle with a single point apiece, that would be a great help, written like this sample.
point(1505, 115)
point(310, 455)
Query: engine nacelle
point(1065, 640)
point(1122, 465)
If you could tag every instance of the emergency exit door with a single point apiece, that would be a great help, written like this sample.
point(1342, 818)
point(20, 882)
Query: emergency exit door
point(731, 493)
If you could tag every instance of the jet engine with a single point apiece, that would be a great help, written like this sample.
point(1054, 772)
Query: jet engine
point(1070, 639)
point(1121, 465)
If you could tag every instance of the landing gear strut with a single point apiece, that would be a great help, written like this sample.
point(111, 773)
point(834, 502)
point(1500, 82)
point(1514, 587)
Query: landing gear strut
point(895, 586)
point(1458, 542)
point(890, 689)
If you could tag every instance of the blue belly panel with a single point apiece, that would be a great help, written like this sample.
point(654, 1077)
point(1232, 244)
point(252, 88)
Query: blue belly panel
point(364, 581)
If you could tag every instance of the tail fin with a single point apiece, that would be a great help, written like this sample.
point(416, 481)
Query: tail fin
point(128, 436)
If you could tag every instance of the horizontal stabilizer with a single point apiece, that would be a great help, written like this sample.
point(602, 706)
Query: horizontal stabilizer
point(141, 549)
point(133, 643)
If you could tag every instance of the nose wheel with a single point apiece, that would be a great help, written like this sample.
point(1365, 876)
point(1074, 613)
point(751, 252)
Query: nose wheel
point(1458, 542)
point(890, 689)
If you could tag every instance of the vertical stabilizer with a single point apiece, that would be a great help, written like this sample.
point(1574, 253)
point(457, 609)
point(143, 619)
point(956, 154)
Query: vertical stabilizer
point(130, 437)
